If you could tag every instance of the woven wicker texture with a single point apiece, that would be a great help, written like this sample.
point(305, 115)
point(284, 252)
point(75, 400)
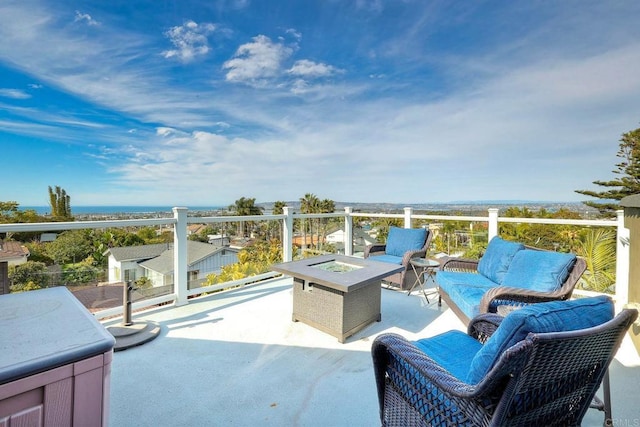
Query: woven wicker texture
point(338, 313)
point(547, 379)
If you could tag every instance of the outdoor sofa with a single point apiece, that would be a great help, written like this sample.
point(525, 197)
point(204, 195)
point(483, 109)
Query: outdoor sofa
point(508, 274)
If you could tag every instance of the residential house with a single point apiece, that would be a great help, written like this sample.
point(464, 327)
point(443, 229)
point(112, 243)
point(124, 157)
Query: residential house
point(219, 240)
point(11, 253)
point(202, 259)
point(360, 240)
point(156, 262)
point(195, 229)
point(48, 237)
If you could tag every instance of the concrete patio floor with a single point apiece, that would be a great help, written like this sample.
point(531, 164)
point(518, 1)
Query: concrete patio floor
point(236, 358)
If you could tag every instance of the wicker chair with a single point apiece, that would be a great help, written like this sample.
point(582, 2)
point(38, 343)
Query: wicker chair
point(406, 278)
point(544, 379)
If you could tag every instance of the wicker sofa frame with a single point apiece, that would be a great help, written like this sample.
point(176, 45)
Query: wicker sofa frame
point(504, 295)
point(547, 379)
point(406, 278)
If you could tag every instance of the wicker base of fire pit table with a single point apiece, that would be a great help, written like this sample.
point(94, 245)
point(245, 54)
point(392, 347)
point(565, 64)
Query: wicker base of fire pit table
point(337, 294)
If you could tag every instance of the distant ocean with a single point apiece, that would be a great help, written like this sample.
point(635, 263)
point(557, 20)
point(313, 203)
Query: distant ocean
point(87, 210)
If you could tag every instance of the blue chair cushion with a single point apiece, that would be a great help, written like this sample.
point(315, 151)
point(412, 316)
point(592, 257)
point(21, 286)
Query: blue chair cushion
point(452, 350)
point(466, 289)
point(555, 316)
point(496, 259)
point(542, 271)
point(401, 240)
point(392, 259)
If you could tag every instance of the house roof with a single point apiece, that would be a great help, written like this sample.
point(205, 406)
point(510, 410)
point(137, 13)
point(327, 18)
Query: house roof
point(48, 237)
point(196, 251)
point(138, 253)
point(12, 250)
point(195, 228)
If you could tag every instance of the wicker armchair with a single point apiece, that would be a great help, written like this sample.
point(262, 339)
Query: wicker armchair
point(544, 379)
point(508, 296)
point(406, 278)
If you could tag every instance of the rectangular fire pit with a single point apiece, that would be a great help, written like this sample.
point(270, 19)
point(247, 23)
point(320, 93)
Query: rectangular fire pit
point(337, 294)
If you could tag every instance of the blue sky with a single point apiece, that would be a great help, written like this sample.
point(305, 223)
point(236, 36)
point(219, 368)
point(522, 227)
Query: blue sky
point(198, 103)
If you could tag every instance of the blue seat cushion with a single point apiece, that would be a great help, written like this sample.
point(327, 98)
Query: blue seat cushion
point(401, 240)
point(452, 350)
point(555, 316)
point(542, 271)
point(392, 259)
point(497, 257)
point(465, 289)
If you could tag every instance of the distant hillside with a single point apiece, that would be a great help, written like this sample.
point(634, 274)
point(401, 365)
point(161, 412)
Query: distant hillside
point(464, 207)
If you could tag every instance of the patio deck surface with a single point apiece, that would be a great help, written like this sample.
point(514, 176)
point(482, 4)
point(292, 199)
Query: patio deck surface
point(236, 358)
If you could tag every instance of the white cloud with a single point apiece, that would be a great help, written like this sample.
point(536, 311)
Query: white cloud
point(253, 62)
point(190, 40)
point(14, 93)
point(165, 131)
point(307, 68)
point(85, 17)
point(295, 33)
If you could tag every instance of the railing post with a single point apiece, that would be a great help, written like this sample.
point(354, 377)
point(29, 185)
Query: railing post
point(622, 262)
point(287, 234)
point(180, 276)
point(407, 217)
point(493, 223)
point(348, 231)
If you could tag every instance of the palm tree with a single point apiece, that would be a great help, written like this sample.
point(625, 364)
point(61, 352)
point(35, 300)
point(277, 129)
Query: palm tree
point(278, 209)
point(325, 206)
point(243, 207)
point(308, 204)
point(598, 248)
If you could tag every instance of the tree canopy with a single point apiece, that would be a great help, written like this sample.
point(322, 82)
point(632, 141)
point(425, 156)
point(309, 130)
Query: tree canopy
point(60, 203)
point(628, 181)
point(245, 206)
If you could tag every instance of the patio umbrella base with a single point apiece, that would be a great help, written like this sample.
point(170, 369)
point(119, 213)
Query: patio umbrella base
point(133, 335)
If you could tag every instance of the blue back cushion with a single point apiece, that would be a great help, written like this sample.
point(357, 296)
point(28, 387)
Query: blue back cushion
point(496, 259)
point(555, 316)
point(401, 240)
point(542, 271)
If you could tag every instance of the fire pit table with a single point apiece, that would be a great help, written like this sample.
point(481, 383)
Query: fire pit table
point(337, 294)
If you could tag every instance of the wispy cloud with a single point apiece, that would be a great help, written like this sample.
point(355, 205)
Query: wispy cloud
point(189, 39)
point(307, 68)
point(14, 93)
point(86, 18)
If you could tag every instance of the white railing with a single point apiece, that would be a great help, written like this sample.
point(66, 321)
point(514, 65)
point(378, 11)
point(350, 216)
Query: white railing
point(181, 220)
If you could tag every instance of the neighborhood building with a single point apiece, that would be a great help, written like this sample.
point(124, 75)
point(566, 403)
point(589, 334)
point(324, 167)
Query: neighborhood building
point(360, 240)
point(155, 262)
point(11, 253)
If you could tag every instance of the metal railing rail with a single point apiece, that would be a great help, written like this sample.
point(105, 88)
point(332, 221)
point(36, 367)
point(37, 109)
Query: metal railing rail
point(181, 220)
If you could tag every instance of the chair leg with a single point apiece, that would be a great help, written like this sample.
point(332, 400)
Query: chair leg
point(606, 396)
point(604, 404)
